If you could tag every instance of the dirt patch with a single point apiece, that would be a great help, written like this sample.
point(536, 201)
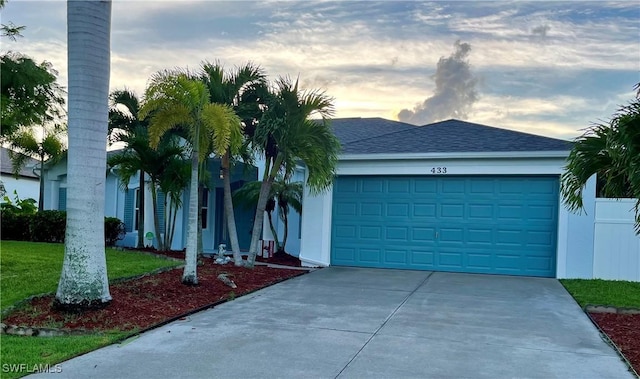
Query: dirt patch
point(151, 300)
point(624, 331)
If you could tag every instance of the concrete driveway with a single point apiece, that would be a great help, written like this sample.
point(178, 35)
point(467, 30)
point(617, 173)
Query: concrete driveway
point(368, 323)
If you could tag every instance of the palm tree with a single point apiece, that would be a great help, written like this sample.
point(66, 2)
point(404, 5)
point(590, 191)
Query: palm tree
point(232, 89)
point(83, 282)
point(612, 152)
point(284, 194)
point(285, 136)
point(164, 164)
point(122, 126)
point(173, 100)
point(25, 144)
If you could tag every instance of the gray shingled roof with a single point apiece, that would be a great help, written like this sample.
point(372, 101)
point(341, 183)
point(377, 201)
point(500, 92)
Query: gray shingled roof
point(7, 168)
point(451, 136)
point(355, 129)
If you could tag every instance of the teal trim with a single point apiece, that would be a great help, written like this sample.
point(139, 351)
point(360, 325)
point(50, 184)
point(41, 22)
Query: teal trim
point(479, 224)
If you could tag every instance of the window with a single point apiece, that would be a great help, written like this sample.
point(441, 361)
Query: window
point(204, 211)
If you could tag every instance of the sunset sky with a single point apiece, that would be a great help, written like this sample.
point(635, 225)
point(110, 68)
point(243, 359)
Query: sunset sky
point(548, 68)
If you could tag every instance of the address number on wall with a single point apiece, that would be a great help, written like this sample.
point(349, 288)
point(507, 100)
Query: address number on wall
point(438, 170)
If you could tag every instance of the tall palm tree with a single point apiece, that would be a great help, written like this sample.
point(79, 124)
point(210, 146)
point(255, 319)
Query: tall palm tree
point(231, 88)
point(284, 195)
point(83, 282)
point(286, 135)
point(25, 144)
point(174, 99)
point(612, 152)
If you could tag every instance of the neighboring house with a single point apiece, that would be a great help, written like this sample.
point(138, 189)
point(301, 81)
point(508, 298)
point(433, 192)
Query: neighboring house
point(449, 196)
point(26, 184)
point(122, 202)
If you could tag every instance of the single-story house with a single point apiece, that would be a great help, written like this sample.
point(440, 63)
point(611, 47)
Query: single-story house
point(448, 196)
point(26, 184)
point(122, 201)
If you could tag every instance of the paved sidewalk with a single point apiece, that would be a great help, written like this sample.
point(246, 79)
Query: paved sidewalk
point(369, 323)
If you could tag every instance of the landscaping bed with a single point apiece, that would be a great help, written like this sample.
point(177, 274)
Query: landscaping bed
point(624, 331)
point(151, 300)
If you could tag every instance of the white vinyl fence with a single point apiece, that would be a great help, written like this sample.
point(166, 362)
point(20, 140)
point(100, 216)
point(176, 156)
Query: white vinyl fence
point(616, 254)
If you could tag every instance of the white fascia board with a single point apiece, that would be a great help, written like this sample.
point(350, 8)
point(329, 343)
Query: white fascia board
point(468, 155)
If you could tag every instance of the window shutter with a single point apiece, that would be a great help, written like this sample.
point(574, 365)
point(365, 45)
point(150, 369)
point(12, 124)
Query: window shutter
point(62, 199)
point(129, 199)
point(160, 209)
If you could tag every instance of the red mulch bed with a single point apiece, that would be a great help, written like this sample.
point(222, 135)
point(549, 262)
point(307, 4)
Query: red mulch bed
point(151, 300)
point(281, 258)
point(624, 331)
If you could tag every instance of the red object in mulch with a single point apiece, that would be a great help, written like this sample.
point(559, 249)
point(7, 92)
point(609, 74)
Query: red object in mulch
point(151, 300)
point(624, 331)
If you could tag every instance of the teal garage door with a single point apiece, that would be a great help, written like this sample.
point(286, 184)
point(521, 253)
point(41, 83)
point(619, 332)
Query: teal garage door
point(478, 224)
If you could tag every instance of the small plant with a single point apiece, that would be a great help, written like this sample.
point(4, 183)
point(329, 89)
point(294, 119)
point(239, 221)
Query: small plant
point(232, 295)
point(114, 230)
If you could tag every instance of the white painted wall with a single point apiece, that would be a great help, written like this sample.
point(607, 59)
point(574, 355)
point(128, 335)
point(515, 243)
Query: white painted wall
point(616, 246)
point(25, 187)
point(575, 241)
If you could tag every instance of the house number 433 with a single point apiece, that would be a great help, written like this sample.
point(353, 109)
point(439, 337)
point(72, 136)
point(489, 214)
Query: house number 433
point(438, 170)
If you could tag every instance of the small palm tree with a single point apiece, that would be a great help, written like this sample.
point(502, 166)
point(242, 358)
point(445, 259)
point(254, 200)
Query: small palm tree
point(283, 196)
point(49, 147)
point(175, 99)
point(612, 152)
point(286, 135)
point(164, 165)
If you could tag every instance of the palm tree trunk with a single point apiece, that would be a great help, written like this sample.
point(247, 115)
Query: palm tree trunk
point(189, 275)
point(274, 232)
point(265, 189)
point(156, 222)
point(228, 210)
point(83, 282)
point(41, 194)
point(141, 211)
point(285, 219)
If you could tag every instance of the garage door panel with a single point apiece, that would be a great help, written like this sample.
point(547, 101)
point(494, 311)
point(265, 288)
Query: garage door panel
point(397, 210)
point(370, 233)
point(424, 210)
point(423, 234)
point(399, 186)
point(501, 225)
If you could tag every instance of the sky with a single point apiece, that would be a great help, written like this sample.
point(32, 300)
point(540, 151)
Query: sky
point(547, 68)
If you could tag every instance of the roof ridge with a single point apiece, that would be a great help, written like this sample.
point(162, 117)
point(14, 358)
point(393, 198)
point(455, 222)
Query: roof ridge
point(475, 124)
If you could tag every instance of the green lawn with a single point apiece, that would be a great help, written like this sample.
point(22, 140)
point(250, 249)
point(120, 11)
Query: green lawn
point(617, 293)
point(29, 268)
point(42, 351)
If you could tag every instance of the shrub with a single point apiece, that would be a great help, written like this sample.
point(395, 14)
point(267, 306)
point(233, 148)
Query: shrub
point(114, 230)
point(15, 226)
point(16, 216)
point(48, 226)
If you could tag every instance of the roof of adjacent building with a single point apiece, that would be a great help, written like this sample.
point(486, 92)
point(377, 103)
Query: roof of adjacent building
point(378, 136)
point(7, 168)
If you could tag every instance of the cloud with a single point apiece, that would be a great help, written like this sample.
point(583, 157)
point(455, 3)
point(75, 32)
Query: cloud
point(455, 90)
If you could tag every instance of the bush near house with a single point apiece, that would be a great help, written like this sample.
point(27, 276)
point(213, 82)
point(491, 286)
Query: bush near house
point(48, 226)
